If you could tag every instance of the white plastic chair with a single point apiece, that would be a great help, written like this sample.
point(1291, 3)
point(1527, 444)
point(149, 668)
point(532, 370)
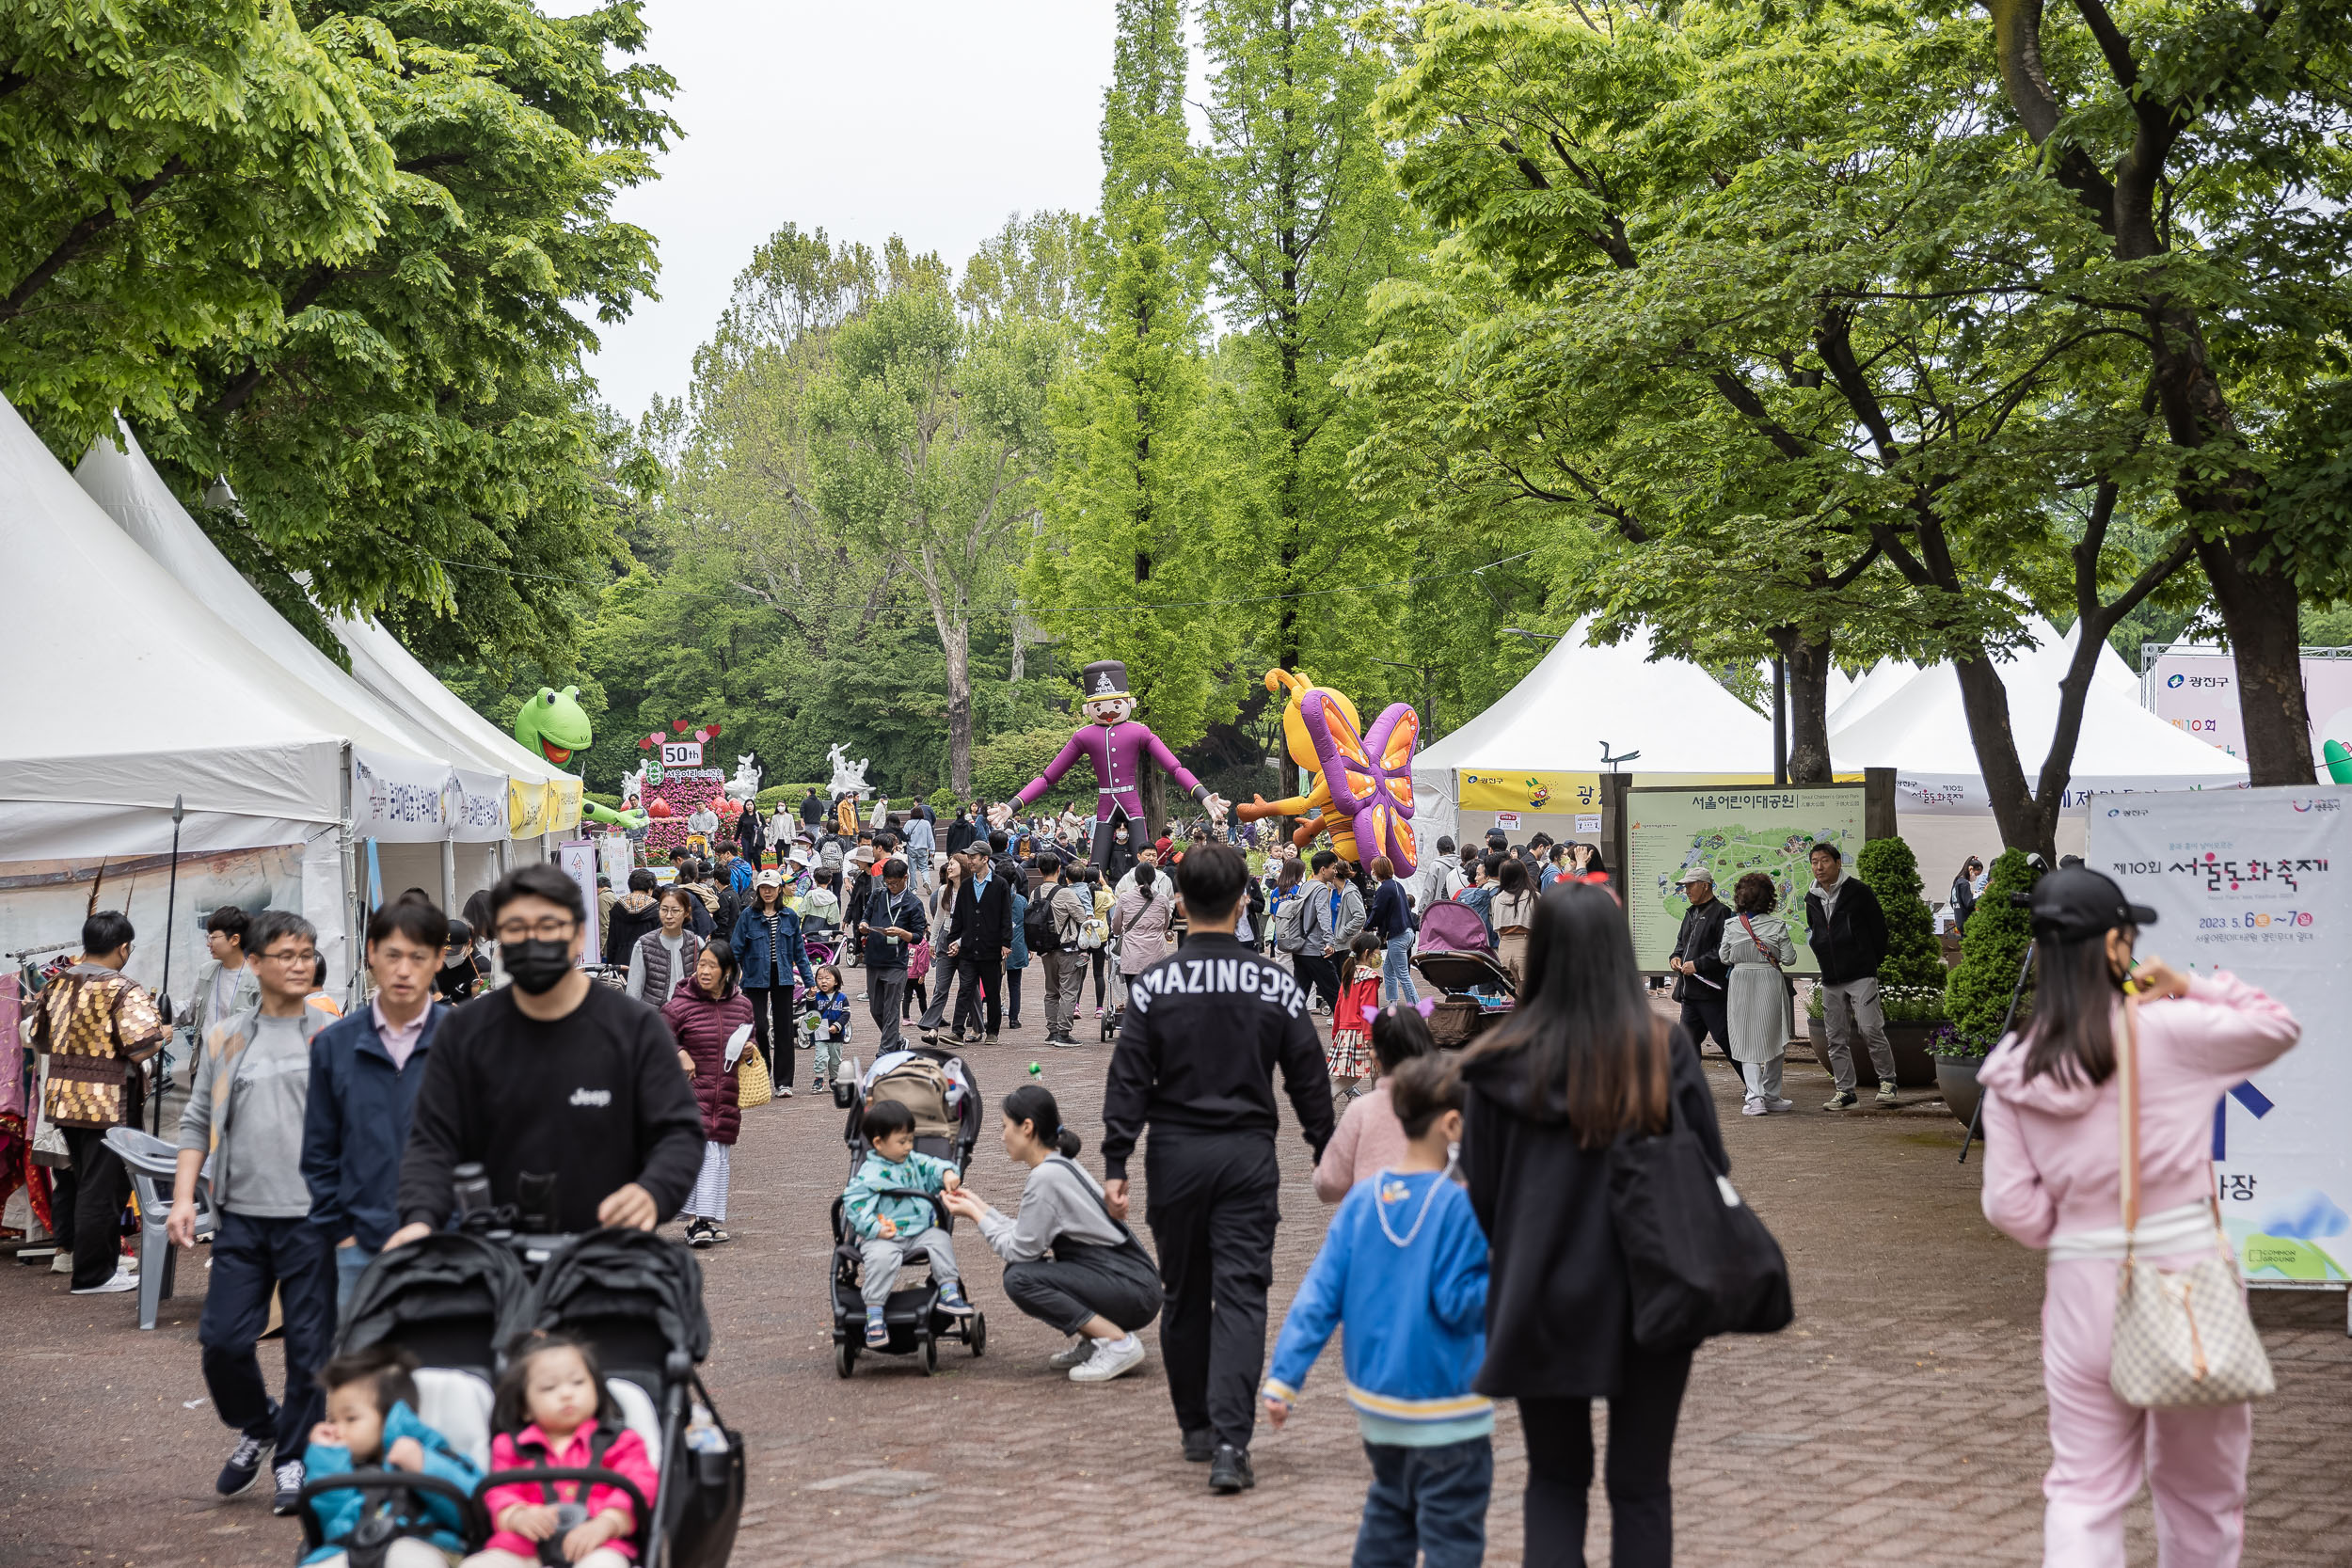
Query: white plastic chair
point(154, 1168)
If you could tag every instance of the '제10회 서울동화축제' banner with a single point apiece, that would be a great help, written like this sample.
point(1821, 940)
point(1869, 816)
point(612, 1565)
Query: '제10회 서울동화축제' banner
point(2259, 882)
point(1730, 830)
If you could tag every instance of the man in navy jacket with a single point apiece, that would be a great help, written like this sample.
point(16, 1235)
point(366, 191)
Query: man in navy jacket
point(364, 1075)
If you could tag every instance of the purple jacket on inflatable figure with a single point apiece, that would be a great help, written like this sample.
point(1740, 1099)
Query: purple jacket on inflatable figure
point(1120, 748)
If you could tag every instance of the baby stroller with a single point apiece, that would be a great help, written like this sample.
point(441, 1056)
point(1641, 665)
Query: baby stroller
point(454, 1299)
point(938, 1086)
point(1454, 953)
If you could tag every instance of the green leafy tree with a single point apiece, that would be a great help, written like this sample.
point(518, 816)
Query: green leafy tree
point(1288, 194)
point(932, 442)
point(1762, 301)
point(1131, 516)
point(1913, 956)
point(163, 157)
point(2199, 149)
point(1991, 950)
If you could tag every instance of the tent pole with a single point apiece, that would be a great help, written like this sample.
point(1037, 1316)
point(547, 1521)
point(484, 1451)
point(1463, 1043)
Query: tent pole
point(449, 876)
point(163, 993)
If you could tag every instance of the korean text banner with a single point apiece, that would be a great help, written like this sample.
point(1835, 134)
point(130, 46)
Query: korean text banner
point(2259, 882)
point(1732, 831)
point(1537, 792)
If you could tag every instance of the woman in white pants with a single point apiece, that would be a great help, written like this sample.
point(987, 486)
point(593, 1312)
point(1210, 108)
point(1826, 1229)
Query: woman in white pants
point(1757, 947)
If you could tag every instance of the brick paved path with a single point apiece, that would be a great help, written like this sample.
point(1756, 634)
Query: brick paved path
point(1899, 1420)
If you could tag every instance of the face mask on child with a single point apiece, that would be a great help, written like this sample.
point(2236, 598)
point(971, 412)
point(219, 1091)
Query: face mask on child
point(1118, 837)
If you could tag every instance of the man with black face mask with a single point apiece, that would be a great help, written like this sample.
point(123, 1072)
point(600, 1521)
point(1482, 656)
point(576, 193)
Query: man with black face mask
point(554, 1076)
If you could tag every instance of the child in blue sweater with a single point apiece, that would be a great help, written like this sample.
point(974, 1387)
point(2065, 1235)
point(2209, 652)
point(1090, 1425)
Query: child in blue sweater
point(1404, 1268)
point(371, 1423)
point(888, 1227)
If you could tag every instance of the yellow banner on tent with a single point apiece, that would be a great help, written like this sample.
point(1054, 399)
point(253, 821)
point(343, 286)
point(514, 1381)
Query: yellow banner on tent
point(534, 809)
point(1559, 792)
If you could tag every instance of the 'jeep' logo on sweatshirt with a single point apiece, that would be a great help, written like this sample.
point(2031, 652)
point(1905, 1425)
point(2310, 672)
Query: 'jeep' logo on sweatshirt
point(592, 1097)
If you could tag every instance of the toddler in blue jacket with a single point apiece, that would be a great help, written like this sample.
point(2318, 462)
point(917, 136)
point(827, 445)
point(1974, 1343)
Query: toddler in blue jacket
point(888, 1227)
point(371, 1423)
point(1404, 1268)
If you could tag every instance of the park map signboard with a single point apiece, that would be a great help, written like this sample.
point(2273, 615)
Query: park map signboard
point(2259, 882)
point(1730, 830)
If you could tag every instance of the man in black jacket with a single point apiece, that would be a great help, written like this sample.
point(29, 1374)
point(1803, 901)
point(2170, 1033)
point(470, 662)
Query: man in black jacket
point(889, 922)
point(1847, 932)
point(1698, 962)
point(1204, 1032)
point(553, 1081)
point(978, 932)
point(959, 834)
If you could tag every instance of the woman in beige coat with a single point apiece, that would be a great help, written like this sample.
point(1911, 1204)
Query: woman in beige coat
point(1143, 919)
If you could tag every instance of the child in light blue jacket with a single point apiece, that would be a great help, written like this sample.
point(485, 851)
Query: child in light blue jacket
point(1403, 1269)
point(371, 1423)
point(889, 1227)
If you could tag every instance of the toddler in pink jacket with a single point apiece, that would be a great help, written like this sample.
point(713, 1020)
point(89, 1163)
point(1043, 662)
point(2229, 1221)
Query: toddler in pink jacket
point(2053, 1176)
point(554, 1411)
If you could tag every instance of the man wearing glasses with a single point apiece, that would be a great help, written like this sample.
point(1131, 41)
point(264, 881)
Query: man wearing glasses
point(245, 1106)
point(552, 1077)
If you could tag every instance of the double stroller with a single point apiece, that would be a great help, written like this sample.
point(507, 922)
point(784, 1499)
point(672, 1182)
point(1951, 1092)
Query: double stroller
point(938, 1088)
point(1453, 952)
point(457, 1300)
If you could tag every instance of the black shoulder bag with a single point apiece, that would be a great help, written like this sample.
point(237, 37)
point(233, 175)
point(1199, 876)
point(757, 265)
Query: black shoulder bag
point(1699, 1261)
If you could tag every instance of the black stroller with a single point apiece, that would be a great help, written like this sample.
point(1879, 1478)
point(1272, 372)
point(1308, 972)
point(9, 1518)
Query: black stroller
point(939, 1088)
point(454, 1299)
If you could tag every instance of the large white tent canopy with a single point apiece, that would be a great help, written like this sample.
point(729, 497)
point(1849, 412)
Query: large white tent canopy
point(1914, 722)
point(1557, 719)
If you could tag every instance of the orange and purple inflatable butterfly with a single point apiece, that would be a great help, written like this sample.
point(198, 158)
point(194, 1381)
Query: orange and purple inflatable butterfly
point(1370, 776)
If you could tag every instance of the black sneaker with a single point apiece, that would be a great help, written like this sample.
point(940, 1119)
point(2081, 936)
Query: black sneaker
point(1199, 1447)
point(287, 1501)
point(245, 1466)
point(1229, 1472)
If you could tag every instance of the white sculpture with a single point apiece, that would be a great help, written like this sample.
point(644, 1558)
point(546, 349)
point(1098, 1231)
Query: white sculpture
point(745, 784)
point(633, 788)
point(848, 778)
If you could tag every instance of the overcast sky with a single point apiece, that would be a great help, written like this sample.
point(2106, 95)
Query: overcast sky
point(928, 118)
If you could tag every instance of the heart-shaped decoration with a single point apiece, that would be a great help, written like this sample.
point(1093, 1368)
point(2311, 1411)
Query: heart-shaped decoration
point(678, 724)
point(701, 736)
point(645, 743)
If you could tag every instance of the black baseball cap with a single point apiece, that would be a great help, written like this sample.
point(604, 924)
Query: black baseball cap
point(2075, 901)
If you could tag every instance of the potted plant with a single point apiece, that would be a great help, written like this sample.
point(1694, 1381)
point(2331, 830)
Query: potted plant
point(1911, 977)
point(1993, 948)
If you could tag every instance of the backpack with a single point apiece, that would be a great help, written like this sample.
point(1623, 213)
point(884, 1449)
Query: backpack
point(1094, 928)
point(1290, 929)
point(1039, 927)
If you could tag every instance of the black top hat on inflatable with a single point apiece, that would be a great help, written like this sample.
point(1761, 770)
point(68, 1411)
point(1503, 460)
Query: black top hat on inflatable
point(1104, 679)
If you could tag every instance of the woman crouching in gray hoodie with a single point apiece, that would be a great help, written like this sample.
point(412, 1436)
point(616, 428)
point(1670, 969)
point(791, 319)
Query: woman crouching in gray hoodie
point(1067, 1261)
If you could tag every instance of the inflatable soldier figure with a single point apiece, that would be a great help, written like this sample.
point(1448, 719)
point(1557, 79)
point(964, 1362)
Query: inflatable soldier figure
point(1120, 749)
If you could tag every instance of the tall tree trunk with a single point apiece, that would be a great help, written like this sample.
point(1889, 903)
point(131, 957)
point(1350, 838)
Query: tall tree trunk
point(2015, 812)
point(1155, 792)
point(2263, 614)
point(1807, 666)
point(954, 639)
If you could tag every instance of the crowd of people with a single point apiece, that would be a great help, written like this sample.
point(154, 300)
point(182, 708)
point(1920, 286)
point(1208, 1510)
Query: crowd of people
point(1474, 1252)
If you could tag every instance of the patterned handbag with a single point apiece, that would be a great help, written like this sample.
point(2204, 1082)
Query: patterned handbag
point(2181, 1338)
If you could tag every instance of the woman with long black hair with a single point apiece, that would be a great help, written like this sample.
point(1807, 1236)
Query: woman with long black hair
point(1581, 1060)
point(2054, 1145)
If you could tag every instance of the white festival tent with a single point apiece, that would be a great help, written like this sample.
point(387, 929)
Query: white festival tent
point(1918, 726)
point(128, 691)
point(1680, 718)
point(419, 802)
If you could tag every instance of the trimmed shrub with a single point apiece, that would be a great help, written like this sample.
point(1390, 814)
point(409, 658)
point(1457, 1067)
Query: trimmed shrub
point(1992, 948)
point(1913, 957)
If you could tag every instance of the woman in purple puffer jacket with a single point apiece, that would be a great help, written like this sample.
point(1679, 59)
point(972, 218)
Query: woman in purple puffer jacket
point(709, 1015)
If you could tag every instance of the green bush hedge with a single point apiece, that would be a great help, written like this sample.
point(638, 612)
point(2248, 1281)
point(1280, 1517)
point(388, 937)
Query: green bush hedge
point(1913, 957)
point(1992, 946)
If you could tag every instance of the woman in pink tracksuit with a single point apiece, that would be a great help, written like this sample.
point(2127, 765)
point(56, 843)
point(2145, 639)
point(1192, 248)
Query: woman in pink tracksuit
point(2053, 1178)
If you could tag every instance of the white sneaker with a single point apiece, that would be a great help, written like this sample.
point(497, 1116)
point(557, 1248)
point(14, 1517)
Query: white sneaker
point(123, 1280)
point(1776, 1106)
point(1755, 1108)
point(1111, 1358)
point(62, 1263)
point(1077, 1352)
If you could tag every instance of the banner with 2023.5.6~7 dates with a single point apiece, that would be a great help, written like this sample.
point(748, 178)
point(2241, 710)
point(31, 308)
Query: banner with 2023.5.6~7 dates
point(2259, 882)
